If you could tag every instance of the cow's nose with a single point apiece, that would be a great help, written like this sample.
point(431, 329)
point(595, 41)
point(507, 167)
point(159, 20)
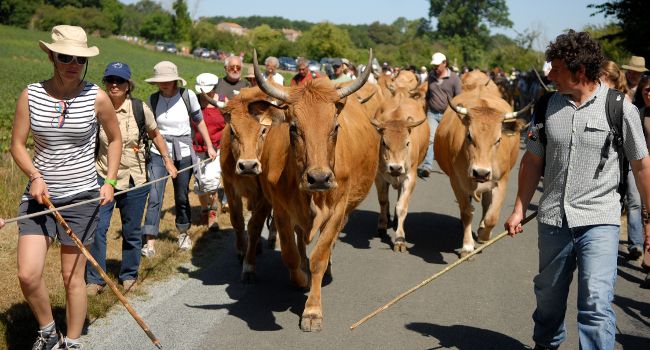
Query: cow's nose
point(319, 179)
point(481, 174)
point(395, 168)
point(248, 167)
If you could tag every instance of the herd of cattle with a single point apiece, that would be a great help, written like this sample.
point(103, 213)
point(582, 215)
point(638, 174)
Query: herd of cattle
point(311, 154)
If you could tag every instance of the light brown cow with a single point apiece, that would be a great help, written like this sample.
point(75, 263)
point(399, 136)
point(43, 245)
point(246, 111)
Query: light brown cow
point(478, 80)
point(476, 145)
point(319, 167)
point(404, 141)
point(248, 117)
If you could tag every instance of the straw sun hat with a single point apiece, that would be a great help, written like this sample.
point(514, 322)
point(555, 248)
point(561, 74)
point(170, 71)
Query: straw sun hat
point(637, 64)
point(69, 40)
point(165, 71)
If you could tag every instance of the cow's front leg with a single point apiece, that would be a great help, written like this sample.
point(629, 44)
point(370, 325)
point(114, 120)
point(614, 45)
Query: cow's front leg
point(466, 214)
point(289, 248)
point(384, 205)
point(401, 209)
point(492, 210)
point(312, 316)
point(237, 220)
point(255, 224)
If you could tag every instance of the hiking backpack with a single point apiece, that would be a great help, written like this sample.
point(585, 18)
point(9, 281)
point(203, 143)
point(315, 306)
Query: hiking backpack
point(614, 113)
point(138, 113)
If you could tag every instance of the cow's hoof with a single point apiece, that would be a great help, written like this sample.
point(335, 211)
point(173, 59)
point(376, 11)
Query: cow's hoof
point(400, 245)
point(249, 277)
point(311, 323)
point(464, 253)
point(381, 232)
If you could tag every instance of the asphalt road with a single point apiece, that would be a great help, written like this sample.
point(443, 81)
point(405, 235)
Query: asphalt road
point(482, 304)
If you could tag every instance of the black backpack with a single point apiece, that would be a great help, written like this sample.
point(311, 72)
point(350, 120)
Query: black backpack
point(614, 112)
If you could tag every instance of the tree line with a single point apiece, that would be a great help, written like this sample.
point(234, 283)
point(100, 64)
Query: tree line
point(462, 31)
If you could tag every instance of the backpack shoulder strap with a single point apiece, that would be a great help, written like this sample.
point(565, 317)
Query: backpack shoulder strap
point(154, 102)
point(138, 113)
point(614, 106)
point(539, 115)
point(186, 99)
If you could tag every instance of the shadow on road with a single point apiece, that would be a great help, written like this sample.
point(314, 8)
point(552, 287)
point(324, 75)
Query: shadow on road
point(254, 304)
point(427, 234)
point(465, 337)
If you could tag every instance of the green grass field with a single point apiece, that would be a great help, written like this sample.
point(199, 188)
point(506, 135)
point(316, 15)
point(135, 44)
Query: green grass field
point(23, 62)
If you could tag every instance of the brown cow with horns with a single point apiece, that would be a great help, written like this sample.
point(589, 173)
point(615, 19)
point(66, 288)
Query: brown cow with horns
point(476, 145)
point(316, 168)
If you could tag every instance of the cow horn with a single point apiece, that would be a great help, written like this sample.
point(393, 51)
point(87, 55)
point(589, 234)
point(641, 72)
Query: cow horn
point(413, 124)
point(488, 81)
point(366, 99)
point(540, 80)
point(457, 109)
point(511, 116)
point(265, 85)
point(209, 99)
point(356, 85)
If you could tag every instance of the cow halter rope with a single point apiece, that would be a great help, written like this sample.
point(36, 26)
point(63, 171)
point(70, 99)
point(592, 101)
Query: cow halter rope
point(107, 279)
point(438, 274)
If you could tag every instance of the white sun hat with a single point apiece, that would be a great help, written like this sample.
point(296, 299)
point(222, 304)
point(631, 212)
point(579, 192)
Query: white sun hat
point(205, 82)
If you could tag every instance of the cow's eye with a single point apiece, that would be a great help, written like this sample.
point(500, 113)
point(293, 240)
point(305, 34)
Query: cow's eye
point(498, 141)
point(469, 137)
point(408, 143)
point(335, 131)
point(263, 131)
point(383, 143)
point(293, 129)
point(232, 133)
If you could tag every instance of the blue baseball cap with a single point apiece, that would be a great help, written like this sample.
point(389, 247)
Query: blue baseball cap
point(118, 69)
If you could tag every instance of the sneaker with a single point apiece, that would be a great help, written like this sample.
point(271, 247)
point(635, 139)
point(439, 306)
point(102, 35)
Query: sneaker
point(213, 219)
point(128, 285)
point(65, 345)
point(148, 252)
point(184, 241)
point(634, 253)
point(93, 289)
point(46, 341)
point(424, 172)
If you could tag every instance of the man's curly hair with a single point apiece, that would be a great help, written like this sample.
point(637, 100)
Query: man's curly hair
point(577, 49)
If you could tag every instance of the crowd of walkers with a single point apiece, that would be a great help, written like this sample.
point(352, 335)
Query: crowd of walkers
point(90, 142)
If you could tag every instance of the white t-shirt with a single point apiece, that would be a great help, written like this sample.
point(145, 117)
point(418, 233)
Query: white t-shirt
point(277, 78)
point(173, 120)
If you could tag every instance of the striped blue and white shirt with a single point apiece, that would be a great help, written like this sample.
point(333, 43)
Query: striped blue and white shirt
point(65, 155)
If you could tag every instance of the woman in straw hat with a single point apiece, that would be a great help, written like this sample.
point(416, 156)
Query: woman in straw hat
point(176, 110)
point(62, 114)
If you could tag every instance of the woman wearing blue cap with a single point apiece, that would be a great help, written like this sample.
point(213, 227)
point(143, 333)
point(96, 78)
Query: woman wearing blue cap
point(136, 123)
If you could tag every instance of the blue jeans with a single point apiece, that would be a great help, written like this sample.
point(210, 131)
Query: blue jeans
point(434, 119)
point(156, 170)
point(634, 225)
point(593, 250)
point(131, 205)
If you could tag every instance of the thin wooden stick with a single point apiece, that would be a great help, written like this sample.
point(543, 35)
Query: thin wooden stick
point(425, 282)
point(108, 281)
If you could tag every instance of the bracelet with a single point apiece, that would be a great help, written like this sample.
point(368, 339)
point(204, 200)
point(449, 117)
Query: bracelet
point(36, 178)
point(112, 182)
point(31, 176)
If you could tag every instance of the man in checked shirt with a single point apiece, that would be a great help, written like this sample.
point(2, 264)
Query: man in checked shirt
point(579, 211)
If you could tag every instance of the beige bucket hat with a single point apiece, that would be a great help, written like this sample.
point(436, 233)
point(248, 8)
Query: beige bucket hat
point(637, 64)
point(69, 40)
point(165, 71)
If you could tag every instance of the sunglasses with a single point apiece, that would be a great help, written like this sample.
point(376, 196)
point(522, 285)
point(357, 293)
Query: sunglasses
point(234, 68)
point(60, 108)
point(67, 59)
point(112, 79)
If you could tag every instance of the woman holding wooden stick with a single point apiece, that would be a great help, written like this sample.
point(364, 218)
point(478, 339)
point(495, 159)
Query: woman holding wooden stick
point(62, 113)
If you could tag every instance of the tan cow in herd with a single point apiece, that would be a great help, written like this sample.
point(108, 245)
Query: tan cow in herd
point(476, 145)
point(317, 167)
point(400, 121)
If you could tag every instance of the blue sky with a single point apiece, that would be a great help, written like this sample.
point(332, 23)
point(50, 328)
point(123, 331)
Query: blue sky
point(525, 14)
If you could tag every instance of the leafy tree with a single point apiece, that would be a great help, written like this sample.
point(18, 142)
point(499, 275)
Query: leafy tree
point(326, 40)
point(181, 21)
point(157, 26)
point(468, 17)
point(93, 20)
point(112, 9)
point(266, 40)
point(634, 21)
point(611, 43)
point(18, 12)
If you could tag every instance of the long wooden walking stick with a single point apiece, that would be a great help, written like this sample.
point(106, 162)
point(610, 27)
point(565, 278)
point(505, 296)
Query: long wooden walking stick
point(425, 282)
point(107, 279)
